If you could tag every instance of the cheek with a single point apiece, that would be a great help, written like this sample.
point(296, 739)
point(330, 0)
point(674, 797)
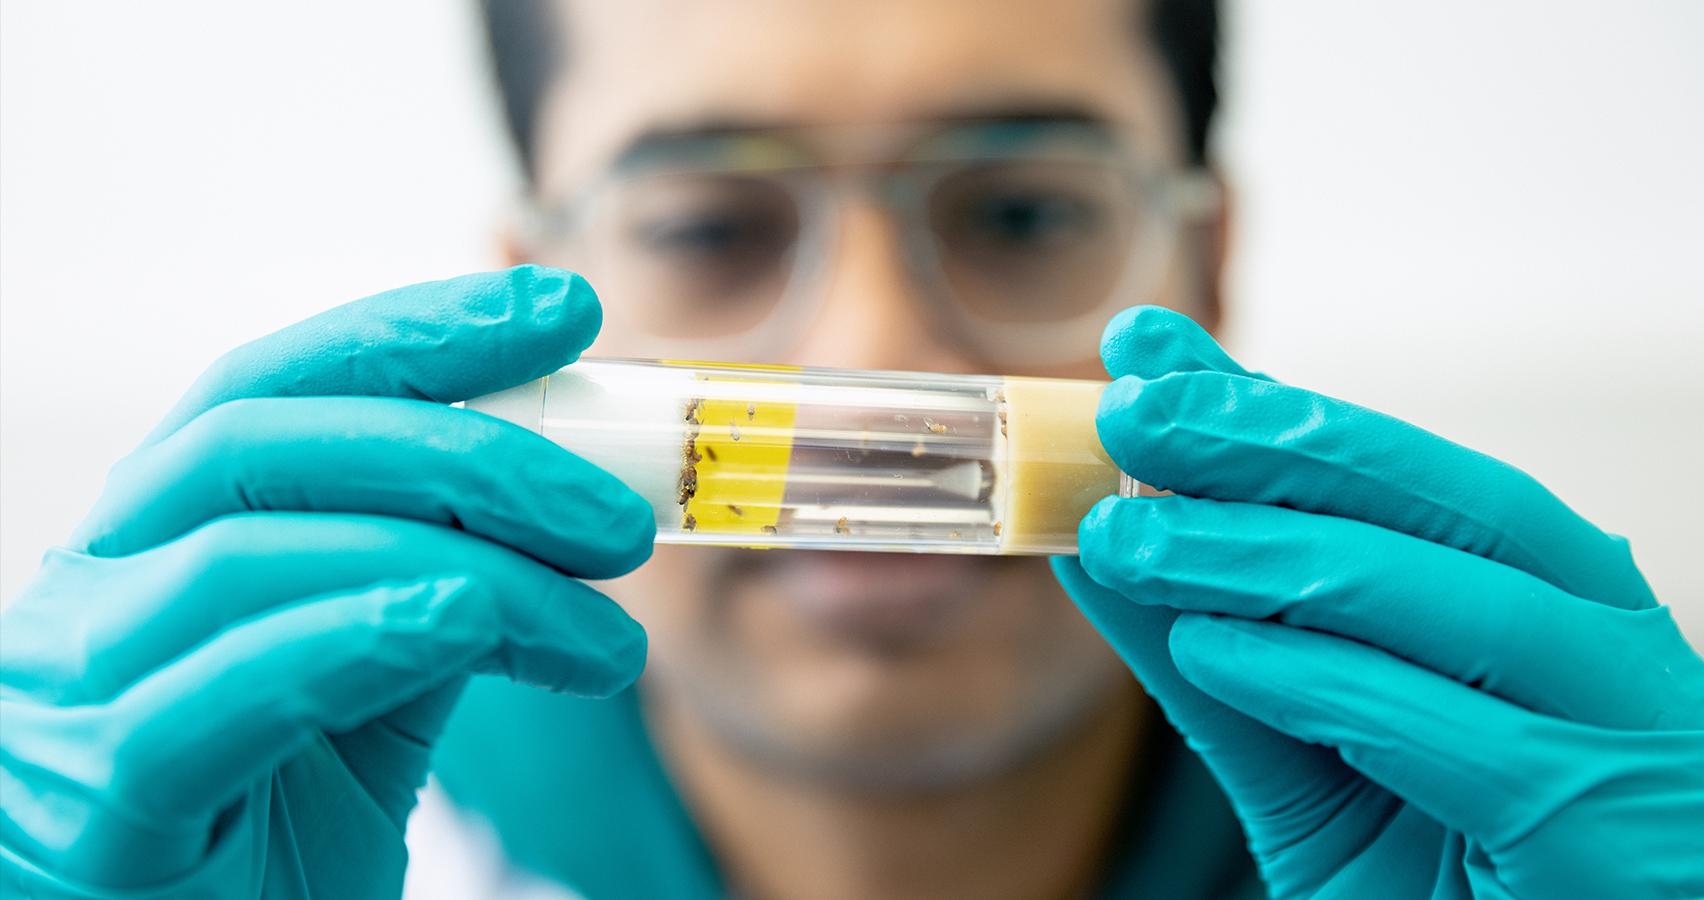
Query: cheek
point(1038, 625)
point(1193, 268)
point(667, 595)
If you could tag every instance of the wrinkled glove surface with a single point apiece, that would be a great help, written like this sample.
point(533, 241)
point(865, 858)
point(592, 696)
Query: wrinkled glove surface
point(1415, 672)
point(228, 682)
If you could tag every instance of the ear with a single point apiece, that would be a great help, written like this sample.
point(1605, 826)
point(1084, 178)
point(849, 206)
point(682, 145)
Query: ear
point(1209, 239)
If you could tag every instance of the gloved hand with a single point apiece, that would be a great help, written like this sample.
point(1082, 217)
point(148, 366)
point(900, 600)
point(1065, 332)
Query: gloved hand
point(1415, 672)
point(227, 684)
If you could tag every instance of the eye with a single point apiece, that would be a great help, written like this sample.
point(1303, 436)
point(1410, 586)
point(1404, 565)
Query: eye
point(696, 254)
point(1025, 208)
point(1032, 240)
point(711, 233)
point(711, 221)
point(1035, 221)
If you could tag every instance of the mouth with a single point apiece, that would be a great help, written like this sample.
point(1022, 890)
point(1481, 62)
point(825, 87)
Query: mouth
point(890, 601)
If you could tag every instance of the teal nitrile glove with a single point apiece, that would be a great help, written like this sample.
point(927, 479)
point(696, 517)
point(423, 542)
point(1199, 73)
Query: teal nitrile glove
point(1415, 672)
point(229, 682)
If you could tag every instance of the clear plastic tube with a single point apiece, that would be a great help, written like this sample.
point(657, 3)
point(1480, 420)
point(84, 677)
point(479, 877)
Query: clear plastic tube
point(772, 456)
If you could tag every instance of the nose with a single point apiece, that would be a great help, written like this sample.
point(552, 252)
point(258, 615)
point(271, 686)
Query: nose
point(872, 317)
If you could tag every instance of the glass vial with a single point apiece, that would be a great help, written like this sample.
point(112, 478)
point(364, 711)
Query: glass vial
point(773, 456)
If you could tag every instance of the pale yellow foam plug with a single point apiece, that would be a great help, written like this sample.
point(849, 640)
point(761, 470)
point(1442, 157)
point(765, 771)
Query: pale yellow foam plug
point(1056, 467)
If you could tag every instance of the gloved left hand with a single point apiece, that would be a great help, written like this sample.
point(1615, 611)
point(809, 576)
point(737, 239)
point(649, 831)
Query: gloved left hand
point(229, 684)
point(1414, 671)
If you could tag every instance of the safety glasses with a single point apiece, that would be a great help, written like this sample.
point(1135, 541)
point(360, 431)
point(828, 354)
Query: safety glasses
point(1022, 237)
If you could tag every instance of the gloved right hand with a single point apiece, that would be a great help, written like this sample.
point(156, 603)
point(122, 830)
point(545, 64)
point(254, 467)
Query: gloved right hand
point(1415, 672)
point(227, 684)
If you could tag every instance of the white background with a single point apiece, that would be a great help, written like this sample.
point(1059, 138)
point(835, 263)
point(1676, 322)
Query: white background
point(1487, 218)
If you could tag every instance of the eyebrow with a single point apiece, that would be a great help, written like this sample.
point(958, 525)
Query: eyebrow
point(990, 114)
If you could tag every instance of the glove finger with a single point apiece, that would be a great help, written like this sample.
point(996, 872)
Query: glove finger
point(1306, 813)
point(370, 455)
point(442, 341)
point(170, 753)
point(1149, 342)
point(88, 627)
point(1230, 437)
point(1477, 621)
point(389, 755)
point(1477, 764)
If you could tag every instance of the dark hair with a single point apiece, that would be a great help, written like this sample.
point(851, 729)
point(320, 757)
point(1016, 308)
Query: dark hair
point(528, 54)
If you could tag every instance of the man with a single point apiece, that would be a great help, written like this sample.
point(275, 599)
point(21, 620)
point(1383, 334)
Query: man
point(940, 725)
point(1410, 669)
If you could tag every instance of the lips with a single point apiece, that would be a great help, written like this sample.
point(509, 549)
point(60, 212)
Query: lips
point(889, 599)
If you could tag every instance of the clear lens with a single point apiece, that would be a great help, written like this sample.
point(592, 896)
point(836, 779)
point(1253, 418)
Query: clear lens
point(694, 255)
point(1033, 241)
point(1023, 237)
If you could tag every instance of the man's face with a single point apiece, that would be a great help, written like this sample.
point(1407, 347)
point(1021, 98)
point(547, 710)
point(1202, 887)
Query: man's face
point(895, 671)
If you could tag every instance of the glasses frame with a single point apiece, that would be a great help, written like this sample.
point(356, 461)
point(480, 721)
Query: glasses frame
point(822, 185)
